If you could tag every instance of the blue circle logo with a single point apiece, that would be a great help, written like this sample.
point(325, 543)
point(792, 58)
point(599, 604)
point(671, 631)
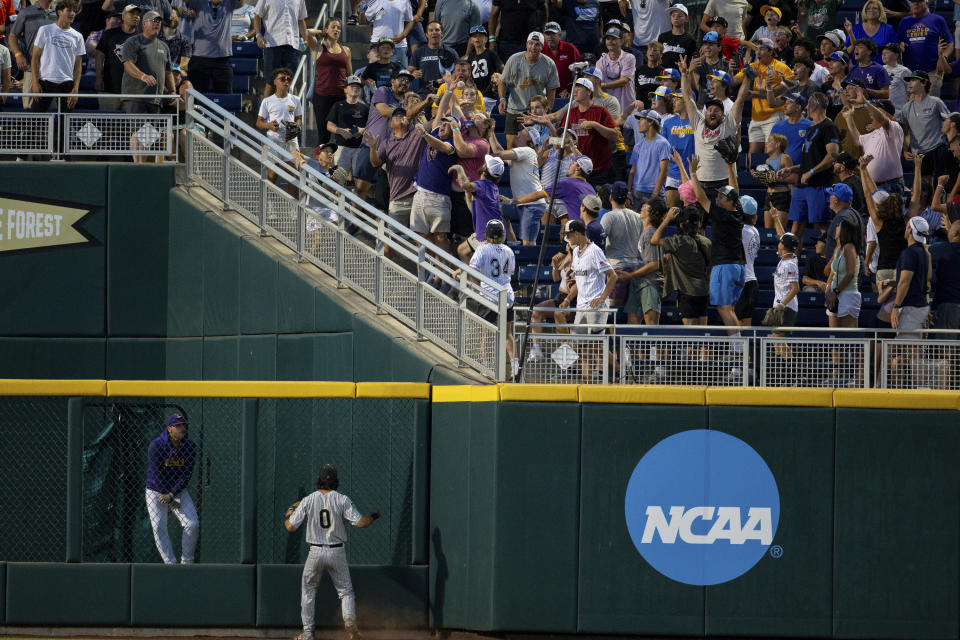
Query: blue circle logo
point(702, 507)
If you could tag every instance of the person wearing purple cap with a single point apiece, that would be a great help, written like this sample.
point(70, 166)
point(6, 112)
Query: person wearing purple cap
point(920, 34)
point(170, 460)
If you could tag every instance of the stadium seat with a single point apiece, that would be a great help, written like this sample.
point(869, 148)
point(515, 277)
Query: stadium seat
point(248, 49)
point(88, 82)
point(810, 317)
point(241, 84)
point(560, 103)
point(526, 274)
point(228, 101)
point(244, 66)
point(810, 236)
point(767, 257)
point(768, 237)
point(764, 274)
point(810, 299)
point(499, 121)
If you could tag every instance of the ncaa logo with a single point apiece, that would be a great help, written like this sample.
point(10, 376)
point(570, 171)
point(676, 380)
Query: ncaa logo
point(702, 507)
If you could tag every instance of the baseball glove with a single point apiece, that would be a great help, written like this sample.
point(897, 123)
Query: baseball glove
point(291, 509)
point(340, 176)
point(773, 317)
point(291, 131)
point(375, 514)
point(727, 148)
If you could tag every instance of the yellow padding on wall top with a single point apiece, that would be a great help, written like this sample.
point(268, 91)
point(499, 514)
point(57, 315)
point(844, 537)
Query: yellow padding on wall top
point(231, 389)
point(53, 388)
point(393, 390)
point(466, 393)
point(769, 397)
point(539, 392)
point(896, 399)
point(629, 394)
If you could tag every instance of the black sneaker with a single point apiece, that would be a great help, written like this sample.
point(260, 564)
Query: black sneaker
point(352, 20)
point(353, 632)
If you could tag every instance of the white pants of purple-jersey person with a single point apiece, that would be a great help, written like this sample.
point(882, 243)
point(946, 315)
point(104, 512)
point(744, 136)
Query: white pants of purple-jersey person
point(186, 513)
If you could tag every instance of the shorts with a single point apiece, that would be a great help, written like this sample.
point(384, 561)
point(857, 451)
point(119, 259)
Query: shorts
point(351, 158)
point(590, 317)
point(365, 171)
point(430, 212)
point(399, 210)
point(644, 297)
point(488, 314)
point(747, 301)
point(530, 215)
point(561, 296)
point(672, 183)
point(277, 58)
point(139, 107)
point(779, 200)
point(759, 130)
point(911, 319)
point(726, 284)
point(512, 125)
point(947, 316)
point(848, 304)
point(809, 204)
point(789, 317)
point(692, 306)
point(623, 287)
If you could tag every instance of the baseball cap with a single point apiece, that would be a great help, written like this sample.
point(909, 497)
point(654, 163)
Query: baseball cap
point(534, 136)
point(583, 82)
point(845, 159)
point(388, 41)
point(661, 92)
point(478, 29)
point(495, 229)
point(535, 35)
point(649, 114)
point(128, 9)
point(399, 111)
point(619, 191)
point(711, 37)
point(729, 193)
point(722, 76)
point(879, 196)
point(841, 56)
point(626, 27)
point(766, 42)
point(790, 241)
point(720, 20)
point(151, 15)
point(821, 238)
point(586, 164)
point(918, 75)
point(403, 73)
point(855, 82)
point(796, 98)
point(678, 7)
point(919, 228)
point(613, 32)
point(749, 205)
point(321, 147)
point(712, 102)
point(176, 419)
point(592, 203)
point(494, 165)
point(551, 27)
point(574, 226)
point(669, 74)
point(594, 72)
point(766, 7)
point(832, 37)
point(175, 67)
point(842, 192)
point(954, 118)
point(353, 80)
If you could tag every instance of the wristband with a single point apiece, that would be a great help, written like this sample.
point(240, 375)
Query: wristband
point(456, 128)
point(811, 172)
point(492, 38)
point(19, 53)
point(143, 78)
point(898, 306)
point(502, 100)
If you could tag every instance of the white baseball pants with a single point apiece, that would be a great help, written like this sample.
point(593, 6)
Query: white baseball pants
point(186, 514)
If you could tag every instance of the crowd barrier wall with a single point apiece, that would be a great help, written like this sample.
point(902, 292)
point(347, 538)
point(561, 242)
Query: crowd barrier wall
point(161, 289)
point(528, 526)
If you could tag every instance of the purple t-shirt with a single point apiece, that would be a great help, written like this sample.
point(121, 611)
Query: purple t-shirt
point(486, 207)
point(571, 192)
point(434, 167)
point(377, 124)
point(401, 159)
point(922, 35)
point(874, 75)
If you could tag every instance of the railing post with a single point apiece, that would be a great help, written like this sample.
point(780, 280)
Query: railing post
point(501, 360)
point(341, 230)
point(188, 157)
point(227, 148)
point(262, 218)
point(421, 282)
point(884, 363)
point(378, 265)
point(301, 215)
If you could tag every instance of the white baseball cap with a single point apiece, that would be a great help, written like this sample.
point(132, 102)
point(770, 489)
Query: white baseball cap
point(494, 165)
point(585, 163)
point(534, 136)
point(586, 84)
point(535, 35)
point(678, 7)
point(919, 228)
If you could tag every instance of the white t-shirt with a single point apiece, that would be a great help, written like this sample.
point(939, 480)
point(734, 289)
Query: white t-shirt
point(650, 19)
point(325, 514)
point(872, 237)
point(733, 11)
point(819, 74)
point(282, 110)
point(60, 50)
point(388, 18)
point(751, 247)
point(496, 261)
point(525, 174)
point(5, 62)
point(589, 270)
point(712, 167)
point(787, 272)
point(281, 19)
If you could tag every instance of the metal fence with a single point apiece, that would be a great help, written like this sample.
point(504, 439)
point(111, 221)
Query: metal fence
point(60, 133)
point(707, 356)
point(362, 248)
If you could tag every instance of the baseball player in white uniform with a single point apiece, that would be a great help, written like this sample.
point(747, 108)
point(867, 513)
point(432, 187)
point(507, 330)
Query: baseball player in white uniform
point(326, 512)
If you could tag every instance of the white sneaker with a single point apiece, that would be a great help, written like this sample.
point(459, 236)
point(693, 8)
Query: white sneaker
point(514, 368)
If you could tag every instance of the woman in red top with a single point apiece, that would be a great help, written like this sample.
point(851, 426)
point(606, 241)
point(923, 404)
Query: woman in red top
point(332, 68)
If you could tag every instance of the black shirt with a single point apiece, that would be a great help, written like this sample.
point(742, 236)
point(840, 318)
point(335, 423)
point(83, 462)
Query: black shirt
point(646, 82)
point(815, 150)
point(517, 19)
point(675, 46)
point(346, 115)
point(482, 66)
point(109, 46)
point(914, 258)
point(859, 203)
point(380, 73)
point(428, 61)
point(816, 266)
point(890, 243)
point(726, 236)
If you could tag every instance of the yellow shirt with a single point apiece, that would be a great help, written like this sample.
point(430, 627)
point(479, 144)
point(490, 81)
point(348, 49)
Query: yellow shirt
point(479, 105)
point(761, 109)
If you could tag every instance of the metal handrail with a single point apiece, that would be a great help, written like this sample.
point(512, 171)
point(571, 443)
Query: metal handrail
point(231, 136)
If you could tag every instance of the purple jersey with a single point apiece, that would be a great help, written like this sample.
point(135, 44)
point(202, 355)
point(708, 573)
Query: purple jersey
point(168, 468)
point(434, 167)
point(571, 192)
point(874, 76)
point(486, 207)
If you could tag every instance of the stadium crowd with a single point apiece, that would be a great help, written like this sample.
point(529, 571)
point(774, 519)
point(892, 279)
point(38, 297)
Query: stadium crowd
point(811, 135)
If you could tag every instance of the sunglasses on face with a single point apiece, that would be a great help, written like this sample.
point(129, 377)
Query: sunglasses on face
point(284, 78)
